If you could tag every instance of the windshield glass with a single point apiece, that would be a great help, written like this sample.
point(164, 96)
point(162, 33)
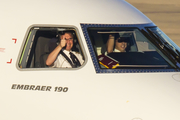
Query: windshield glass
point(165, 39)
point(121, 48)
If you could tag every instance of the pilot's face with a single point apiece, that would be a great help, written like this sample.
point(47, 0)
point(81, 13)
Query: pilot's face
point(121, 45)
point(69, 41)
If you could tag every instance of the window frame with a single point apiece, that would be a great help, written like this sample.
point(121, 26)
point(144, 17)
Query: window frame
point(30, 38)
point(97, 67)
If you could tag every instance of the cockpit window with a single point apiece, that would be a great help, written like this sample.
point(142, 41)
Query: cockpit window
point(125, 48)
point(161, 35)
point(42, 41)
point(165, 41)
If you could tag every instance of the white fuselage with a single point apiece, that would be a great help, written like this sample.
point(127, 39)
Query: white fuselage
point(81, 94)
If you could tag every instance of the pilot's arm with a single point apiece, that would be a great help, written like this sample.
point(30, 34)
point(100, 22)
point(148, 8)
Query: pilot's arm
point(53, 55)
point(110, 43)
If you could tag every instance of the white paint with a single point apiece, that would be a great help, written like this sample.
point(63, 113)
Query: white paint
point(91, 96)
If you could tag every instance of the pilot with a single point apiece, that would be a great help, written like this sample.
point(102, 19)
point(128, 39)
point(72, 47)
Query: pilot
point(62, 56)
point(116, 44)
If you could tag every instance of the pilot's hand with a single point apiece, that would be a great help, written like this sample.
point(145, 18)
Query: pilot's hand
point(111, 36)
point(63, 41)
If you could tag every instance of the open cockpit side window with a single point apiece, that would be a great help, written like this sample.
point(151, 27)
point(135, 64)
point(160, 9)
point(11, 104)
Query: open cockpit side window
point(124, 48)
point(41, 41)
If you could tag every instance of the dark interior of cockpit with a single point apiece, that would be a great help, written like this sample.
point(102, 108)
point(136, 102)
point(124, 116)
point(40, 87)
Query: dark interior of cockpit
point(43, 42)
point(140, 53)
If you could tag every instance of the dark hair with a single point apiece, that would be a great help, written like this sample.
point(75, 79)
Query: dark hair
point(60, 33)
point(116, 36)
